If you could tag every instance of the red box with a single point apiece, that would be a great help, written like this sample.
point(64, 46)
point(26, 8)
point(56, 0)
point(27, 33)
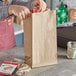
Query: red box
point(7, 37)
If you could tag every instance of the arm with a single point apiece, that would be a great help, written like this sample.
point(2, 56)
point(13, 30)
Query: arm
point(20, 11)
point(20, 8)
point(14, 8)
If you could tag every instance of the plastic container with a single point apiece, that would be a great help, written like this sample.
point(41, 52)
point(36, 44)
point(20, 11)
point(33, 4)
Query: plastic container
point(71, 49)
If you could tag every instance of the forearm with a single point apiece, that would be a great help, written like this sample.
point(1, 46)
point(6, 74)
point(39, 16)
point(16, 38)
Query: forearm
point(14, 4)
point(5, 11)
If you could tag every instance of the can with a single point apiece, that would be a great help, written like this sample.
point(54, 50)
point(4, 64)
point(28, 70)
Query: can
point(71, 49)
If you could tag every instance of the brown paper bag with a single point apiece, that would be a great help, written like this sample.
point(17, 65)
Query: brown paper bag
point(40, 39)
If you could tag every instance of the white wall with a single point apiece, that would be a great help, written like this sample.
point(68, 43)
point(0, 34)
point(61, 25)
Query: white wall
point(70, 3)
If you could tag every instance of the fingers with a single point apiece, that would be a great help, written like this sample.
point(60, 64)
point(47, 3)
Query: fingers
point(20, 16)
point(23, 14)
point(20, 11)
point(27, 12)
point(42, 5)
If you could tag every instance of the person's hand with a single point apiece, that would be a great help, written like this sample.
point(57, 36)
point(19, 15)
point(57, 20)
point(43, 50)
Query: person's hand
point(20, 11)
point(41, 5)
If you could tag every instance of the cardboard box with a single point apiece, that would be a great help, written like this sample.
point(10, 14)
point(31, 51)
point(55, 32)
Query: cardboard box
point(72, 14)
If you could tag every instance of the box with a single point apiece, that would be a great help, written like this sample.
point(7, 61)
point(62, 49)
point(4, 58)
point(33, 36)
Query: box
point(72, 14)
point(7, 68)
point(40, 40)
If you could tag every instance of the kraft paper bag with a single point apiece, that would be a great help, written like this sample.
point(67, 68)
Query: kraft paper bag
point(40, 39)
point(7, 37)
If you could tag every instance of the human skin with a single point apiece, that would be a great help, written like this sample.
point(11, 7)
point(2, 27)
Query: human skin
point(23, 12)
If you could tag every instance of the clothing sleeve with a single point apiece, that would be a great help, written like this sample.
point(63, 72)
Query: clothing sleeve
point(27, 3)
point(3, 12)
point(4, 8)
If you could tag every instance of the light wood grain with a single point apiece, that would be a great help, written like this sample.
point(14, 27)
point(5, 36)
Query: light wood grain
point(40, 40)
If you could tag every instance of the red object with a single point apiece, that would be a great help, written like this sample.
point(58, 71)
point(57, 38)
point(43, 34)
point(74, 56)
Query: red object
point(6, 65)
point(7, 37)
point(10, 63)
point(6, 1)
point(5, 74)
point(35, 10)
